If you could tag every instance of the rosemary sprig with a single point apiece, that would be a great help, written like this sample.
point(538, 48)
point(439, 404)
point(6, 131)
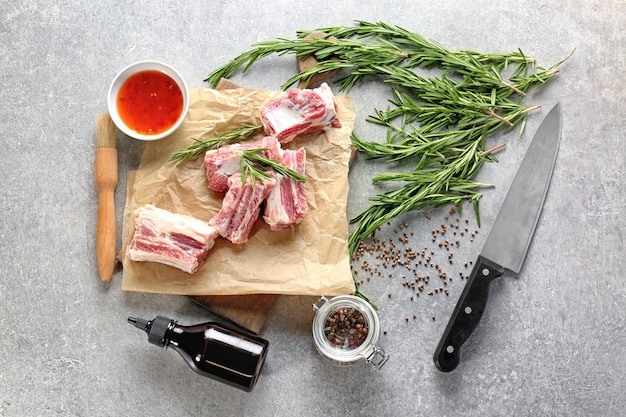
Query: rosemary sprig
point(421, 52)
point(252, 163)
point(200, 146)
point(351, 53)
point(439, 179)
point(393, 46)
point(405, 140)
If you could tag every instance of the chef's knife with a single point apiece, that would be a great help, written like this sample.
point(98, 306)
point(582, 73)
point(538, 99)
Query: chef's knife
point(508, 240)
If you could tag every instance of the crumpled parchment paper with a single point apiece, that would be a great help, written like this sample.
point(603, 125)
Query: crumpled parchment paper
point(307, 259)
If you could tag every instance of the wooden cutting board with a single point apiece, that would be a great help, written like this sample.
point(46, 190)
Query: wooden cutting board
point(247, 311)
point(251, 311)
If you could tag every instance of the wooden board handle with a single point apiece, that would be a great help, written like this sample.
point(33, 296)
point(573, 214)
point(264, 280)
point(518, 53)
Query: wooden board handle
point(106, 181)
point(308, 62)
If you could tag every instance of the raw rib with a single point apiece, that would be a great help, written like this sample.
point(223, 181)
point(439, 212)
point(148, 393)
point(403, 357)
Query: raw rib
point(172, 239)
point(240, 208)
point(223, 162)
point(272, 148)
point(300, 112)
point(286, 203)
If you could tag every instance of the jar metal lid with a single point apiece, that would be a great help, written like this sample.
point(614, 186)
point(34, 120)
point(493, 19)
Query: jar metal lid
point(346, 330)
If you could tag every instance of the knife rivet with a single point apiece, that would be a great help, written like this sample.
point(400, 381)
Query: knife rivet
point(485, 272)
point(450, 349)
point(468, 310)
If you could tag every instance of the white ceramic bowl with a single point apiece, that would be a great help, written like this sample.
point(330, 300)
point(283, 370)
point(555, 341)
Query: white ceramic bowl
point(132, 69)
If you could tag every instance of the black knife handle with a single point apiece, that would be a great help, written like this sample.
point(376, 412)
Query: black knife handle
point(467, 313)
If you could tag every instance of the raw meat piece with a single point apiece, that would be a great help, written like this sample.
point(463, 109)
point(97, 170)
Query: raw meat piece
point(223, 162)
point(240, 208)
point(326, 94)
point(272, 148)
point(171, 239)
point(300, 112)
point(286, 203)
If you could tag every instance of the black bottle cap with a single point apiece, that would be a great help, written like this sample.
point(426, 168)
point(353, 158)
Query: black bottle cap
point(139, 323)
point(156, 328)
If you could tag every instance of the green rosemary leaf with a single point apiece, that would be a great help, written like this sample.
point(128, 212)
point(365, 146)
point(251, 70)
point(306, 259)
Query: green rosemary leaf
point(254, 164)
point(248, 167)
point(201, 146)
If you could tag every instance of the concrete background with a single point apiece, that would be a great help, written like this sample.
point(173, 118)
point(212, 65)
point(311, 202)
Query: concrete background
point(551, 343)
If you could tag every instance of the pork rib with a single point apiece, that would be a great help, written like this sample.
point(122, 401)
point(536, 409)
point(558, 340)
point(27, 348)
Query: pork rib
point(169, 238)
point(286, 204)
point(240, 208)
point(223, 162)
point(300, 112)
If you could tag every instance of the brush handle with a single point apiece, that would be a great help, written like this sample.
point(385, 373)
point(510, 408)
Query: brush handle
point(106, 181)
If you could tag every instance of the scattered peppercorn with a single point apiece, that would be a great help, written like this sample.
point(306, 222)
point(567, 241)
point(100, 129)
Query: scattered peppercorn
point(396, 257)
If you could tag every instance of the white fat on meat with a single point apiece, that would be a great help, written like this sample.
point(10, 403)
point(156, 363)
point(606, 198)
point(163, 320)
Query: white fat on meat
point(300, 112)
point(240, 208)
point(287, 204)
point(223, 162)
point(169, 238)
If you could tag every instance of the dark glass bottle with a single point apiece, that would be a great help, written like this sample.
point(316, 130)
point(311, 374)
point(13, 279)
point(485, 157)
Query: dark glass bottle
point(210, 349)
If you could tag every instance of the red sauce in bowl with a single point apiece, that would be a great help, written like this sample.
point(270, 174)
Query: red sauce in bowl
point(149, 102)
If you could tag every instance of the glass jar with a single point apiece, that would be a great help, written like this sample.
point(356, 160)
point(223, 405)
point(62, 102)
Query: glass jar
point(346, 331)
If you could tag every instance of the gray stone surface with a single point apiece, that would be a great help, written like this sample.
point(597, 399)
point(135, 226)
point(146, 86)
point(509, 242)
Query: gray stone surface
point(551, 343)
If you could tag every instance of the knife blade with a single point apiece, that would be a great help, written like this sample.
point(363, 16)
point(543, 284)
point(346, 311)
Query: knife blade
point(509, 238)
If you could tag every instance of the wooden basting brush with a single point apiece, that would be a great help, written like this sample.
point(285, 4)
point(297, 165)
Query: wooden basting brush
point(106, 181)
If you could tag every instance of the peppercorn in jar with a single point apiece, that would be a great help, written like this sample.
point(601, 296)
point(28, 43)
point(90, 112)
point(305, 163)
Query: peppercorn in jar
point(346, 330)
